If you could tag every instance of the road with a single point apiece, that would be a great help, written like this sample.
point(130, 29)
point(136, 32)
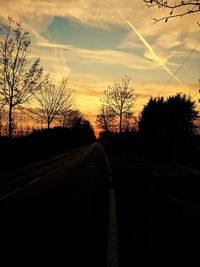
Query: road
point(56, 211)
point(61, 211)
point(158, 216)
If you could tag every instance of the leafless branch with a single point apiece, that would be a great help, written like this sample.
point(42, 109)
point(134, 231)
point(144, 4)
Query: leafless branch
point(190, 7)
point(51, 99)
point(120, 98)
point(19, 77)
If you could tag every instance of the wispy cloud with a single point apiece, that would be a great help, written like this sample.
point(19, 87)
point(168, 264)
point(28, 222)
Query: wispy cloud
point(112, 57)
point(91, 71)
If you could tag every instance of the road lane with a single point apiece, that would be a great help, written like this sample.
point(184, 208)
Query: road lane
point(63, 216)
point(158, 221)
point(15, 180)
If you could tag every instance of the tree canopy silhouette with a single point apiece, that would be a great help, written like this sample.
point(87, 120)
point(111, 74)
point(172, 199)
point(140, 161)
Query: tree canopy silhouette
point(70, 118)
point(106, 119)
point(168, 122)
point(19, 77)
point(152, 119)
point(129, 122)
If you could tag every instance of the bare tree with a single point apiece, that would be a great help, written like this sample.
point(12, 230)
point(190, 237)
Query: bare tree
point(106, 119)
point(70, 118)
point(176, 9)
point(51, 99)
point(120, 99)
point(1, 118)
point(19, 77)
point(129, 122)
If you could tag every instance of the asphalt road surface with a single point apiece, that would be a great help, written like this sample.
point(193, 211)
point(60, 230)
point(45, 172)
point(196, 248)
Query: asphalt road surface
point(61, 212)
point(158, 221)
point(56, 211)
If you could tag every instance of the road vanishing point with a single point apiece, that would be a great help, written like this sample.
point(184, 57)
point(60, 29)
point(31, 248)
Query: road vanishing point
point(60, 210)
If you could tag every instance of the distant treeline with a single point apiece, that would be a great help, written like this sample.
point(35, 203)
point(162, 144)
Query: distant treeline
point(166, 132)
point(42, 144)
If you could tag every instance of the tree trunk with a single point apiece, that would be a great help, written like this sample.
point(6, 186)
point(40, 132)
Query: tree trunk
point(10, 128)
point(0, 121)
point(120, 124)
point(48, 124)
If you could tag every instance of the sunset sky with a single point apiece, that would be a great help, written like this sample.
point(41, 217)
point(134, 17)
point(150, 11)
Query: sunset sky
point(91, 43)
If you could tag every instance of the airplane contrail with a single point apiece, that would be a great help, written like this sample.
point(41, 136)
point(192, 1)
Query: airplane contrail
point(149, 48)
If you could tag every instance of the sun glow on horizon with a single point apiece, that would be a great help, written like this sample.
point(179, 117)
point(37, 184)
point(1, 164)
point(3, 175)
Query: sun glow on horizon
point(95, 48)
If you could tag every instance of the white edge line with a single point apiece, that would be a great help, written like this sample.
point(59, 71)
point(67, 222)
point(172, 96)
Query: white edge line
point(11, 193)
point(19, 189)
point(195, 171)
point(112, 260)
point(34, 181)
point(112, 232)
point(30, 183)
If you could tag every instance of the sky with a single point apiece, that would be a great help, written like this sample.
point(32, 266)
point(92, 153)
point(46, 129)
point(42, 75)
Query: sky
point(95, 43)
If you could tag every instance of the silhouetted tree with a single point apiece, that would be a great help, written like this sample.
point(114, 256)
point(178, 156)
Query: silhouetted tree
point(152, 118)
point(199, 92)
point(129, 122)
point(19, 77)
point(51, 100)
point(168, 123)
point(87, 133)
point(107, 139)
point(1, 119)
point(106, 119)
point(120, 99)
point(70, 118)
point(177, 9)
point(182, 114)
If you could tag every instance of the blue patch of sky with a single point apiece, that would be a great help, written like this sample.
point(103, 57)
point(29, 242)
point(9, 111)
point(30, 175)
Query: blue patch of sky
point(72, 32)
point(135, 51)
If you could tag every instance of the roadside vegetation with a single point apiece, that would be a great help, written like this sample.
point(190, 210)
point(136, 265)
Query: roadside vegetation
point(165, 131)
point(43, 143)
point(27, 92)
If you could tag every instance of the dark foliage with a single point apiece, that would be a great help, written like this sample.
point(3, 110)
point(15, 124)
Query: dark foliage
point(166, 132)
point(116, 142)
point(167, 126)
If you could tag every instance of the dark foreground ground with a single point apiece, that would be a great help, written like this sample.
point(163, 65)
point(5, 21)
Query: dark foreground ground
point(158, 213)
point(55, 213)
point(59, 215)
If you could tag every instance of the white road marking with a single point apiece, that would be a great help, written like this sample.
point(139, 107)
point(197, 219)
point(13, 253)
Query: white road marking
point(11, 193)
point(112, 232)
point(34, 181)
point(29, 183)
point(52, 171)
point(20, 189)
point(112, 260)
point(195, 171)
